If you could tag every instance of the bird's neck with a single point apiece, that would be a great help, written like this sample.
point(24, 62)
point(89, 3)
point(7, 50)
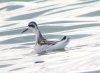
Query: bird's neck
point(38, 35)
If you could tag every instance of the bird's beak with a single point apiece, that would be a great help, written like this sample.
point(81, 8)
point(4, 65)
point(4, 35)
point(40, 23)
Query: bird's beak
point(25, 30)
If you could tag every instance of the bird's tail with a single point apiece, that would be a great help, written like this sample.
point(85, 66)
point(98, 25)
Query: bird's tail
point(65, 38)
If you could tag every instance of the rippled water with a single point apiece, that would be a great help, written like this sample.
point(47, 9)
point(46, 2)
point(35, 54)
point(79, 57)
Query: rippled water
point(77, 19)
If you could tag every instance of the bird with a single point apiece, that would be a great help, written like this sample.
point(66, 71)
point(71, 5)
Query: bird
point(42, 45)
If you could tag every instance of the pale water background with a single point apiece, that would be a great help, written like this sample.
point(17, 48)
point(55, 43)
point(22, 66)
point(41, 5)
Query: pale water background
point(77, 19)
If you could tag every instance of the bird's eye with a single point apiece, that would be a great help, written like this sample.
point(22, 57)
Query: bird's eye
point(31, 25)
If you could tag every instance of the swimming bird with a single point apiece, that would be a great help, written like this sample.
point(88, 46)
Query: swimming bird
point(42, 45)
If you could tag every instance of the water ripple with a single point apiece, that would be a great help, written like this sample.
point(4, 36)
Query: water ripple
point(91, 14)
point(31, 15)
point(11, 7)
point(5, 65)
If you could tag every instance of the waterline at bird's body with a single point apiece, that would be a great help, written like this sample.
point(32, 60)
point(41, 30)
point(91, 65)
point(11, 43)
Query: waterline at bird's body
point(47, 48)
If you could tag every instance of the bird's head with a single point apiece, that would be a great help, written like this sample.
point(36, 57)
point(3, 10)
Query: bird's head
point(31, 25)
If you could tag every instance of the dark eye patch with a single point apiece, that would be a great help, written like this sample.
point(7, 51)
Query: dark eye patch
point(31, 25)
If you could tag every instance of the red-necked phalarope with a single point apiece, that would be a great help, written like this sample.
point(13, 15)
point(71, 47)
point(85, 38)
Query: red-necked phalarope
point(42, 45)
